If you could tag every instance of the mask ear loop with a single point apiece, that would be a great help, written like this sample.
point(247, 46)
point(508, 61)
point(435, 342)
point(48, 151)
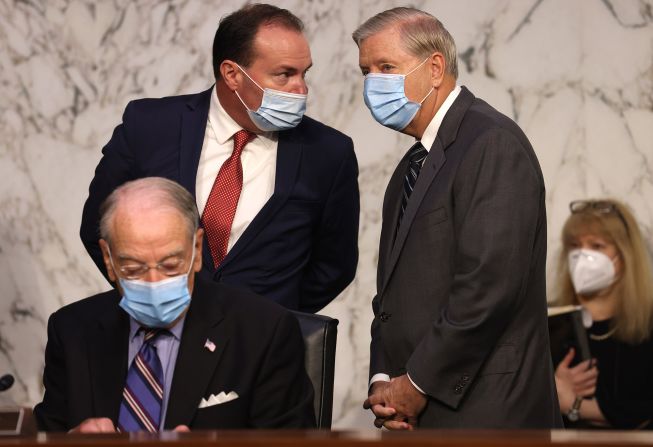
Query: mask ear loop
point(427, 95)
point(255, 83)
point(250, 78)
point(619, 257)
point(192, 258)
point(419, 65)
point(243, 102)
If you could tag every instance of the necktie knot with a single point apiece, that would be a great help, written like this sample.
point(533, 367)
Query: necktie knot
point(241, 138)
point(152, 333)
point(417, 153)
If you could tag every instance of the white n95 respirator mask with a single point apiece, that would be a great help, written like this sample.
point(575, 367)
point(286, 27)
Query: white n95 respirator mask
point(590, 270)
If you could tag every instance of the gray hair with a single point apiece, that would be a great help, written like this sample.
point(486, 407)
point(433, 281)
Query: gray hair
point(161, 192)
point(421, 34)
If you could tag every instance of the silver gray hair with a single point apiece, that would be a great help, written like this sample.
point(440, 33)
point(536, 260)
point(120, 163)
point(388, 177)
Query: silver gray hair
point(421, 34)
point(161, 191)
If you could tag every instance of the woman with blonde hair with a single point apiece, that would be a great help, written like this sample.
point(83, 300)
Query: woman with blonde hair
point(604, 266)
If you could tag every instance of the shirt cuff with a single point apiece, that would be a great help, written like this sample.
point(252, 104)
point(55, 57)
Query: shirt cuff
point(378, 377)
point(411, 381)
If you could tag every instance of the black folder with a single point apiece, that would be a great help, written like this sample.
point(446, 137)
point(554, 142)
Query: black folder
point(566, 330)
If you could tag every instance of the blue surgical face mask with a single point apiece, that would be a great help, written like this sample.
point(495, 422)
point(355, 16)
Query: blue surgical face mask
point(278, 110)
point(385, 96)
point(159, 303)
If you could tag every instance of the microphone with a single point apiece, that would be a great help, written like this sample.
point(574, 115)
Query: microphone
point(11, 414)
point(6, 382)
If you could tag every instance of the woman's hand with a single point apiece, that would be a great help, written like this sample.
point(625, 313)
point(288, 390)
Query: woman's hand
point(579, 380)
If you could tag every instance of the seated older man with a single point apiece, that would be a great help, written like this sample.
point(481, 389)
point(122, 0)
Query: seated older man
point(167, 350)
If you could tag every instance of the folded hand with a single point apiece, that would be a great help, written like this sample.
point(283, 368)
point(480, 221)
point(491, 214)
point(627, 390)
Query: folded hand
point(396, 404)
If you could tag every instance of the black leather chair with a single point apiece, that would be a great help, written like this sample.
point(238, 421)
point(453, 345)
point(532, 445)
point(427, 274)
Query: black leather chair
point(320, 334)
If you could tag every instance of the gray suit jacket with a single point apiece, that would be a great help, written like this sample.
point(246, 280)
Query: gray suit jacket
point(461, 302)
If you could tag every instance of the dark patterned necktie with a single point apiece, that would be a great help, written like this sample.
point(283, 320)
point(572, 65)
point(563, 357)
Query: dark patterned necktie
point(140, 409)
point(416, 156)
point(221, 205)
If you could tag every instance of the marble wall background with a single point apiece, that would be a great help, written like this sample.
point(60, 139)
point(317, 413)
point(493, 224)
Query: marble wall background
point(577, 75)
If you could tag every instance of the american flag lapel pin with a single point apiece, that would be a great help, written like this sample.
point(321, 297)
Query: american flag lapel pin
point(208, 344)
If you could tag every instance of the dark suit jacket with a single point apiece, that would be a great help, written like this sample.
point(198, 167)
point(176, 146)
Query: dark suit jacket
point(300, 250)
point(461, 302)
point(259, 354)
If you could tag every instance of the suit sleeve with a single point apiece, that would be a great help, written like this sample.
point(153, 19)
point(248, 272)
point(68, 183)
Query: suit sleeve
point(334, 256)
point(51, 413)
point(283, 395)
point(115, 168)
point(378, 361)
point(498, 193)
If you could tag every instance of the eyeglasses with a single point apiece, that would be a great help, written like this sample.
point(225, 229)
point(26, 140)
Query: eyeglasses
point(173, 265)
point(170, 267)
point(600, 207)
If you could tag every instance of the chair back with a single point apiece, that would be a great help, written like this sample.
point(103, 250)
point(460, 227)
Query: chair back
point(320, 334)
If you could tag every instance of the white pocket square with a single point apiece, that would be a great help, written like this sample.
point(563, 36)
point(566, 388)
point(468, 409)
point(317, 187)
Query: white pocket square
point(218, 399)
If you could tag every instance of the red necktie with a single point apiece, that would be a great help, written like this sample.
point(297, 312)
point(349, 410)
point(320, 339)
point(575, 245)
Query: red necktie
point(221, 206)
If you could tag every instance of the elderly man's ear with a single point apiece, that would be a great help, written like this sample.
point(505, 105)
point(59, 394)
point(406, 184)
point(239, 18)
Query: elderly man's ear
point(438, 68)
point(104, 246)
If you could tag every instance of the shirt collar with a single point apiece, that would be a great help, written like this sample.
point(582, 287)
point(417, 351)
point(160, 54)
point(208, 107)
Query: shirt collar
point(224, 126)
point(431, 132)
point(176, 330)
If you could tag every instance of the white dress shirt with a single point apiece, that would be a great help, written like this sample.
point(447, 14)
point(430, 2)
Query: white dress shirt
point(427, 140)
point(431, 131)
point(259, 160)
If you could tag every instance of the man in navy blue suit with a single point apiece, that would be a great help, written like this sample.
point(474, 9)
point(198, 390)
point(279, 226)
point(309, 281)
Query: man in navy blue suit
point(277, 190)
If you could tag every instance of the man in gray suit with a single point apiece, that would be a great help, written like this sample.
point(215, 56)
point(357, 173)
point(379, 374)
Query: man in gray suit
point(459, 337)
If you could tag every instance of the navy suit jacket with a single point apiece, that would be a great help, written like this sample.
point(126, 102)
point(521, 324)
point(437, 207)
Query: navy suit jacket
point(259, 354)
point(301, 250)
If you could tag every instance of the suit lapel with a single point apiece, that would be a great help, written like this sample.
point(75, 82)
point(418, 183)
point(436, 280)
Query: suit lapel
point(432, 165)
point(391, 209)
point(196, 363)
point(289, 153)
point(193, 126)
point(107, 354)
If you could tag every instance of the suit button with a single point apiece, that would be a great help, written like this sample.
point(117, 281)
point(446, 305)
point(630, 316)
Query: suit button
point(383, 316)
point(465, 378)
point(458, 389)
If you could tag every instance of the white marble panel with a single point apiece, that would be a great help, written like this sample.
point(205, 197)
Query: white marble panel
point(577, 75)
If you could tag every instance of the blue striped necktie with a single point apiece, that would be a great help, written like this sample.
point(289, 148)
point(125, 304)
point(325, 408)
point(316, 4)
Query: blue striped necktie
point(416, 156)
point(140, 409)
